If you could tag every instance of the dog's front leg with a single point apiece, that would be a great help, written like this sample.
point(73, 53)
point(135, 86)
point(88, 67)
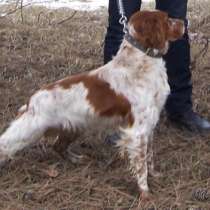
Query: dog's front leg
point(139, 163)
point(136, 147)
point(150, 158)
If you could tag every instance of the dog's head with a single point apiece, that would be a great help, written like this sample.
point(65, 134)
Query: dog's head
point(154, 29)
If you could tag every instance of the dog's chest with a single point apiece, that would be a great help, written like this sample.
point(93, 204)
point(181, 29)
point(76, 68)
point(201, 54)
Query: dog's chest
point(143, 88)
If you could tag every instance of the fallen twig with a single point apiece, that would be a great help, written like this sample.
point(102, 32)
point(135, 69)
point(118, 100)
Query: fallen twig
point(21, 10)
point(67, 19)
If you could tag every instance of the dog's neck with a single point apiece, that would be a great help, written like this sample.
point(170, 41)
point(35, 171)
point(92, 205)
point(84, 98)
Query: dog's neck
point(129, 64)
point(129, 54)
point(148, 51)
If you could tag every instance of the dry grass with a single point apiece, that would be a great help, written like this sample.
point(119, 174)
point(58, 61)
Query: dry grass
point(40, 50)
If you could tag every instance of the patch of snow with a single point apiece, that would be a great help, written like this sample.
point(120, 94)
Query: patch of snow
point(86, 5)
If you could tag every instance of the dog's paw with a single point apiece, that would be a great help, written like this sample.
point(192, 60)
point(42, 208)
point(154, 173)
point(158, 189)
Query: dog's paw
point(155, 174)
point(3, 160)
point(144, 199)
point(75, 158)
point(145, 196)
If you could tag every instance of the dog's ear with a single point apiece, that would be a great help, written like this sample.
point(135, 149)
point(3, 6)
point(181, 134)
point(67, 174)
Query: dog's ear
point(149, 29)
point(154, 29)
point(175, 29)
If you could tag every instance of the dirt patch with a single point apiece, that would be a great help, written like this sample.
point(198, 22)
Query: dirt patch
point(45, 46)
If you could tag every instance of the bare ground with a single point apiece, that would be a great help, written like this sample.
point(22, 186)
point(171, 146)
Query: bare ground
point(45, 48)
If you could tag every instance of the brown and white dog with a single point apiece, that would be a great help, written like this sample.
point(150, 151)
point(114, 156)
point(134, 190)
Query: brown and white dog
point(131, 91)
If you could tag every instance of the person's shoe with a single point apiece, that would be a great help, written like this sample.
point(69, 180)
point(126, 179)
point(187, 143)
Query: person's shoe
point(191, 121)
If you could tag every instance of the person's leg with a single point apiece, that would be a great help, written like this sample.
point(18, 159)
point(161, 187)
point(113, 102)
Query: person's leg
point(115, 33)
point(179, 103)
point(114, 37)
point(178, 61)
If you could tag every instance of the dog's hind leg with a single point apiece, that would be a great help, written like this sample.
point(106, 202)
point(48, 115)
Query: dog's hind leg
point(30, 125)
point(25, 129)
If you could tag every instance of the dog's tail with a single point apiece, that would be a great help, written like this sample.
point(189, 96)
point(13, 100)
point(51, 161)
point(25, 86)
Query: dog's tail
point(28, 127)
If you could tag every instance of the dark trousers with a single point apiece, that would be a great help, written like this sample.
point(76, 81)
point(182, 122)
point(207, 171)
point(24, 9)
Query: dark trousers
point(177, 59)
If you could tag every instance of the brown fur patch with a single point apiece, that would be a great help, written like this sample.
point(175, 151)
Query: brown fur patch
point(154, 29)
point(106, 101)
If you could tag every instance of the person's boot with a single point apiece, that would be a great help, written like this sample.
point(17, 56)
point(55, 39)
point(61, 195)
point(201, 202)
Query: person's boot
point(191, 121)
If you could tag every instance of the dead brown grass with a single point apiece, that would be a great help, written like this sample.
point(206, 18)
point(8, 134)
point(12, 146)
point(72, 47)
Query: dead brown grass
point(40, 50)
